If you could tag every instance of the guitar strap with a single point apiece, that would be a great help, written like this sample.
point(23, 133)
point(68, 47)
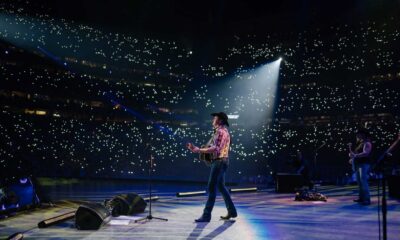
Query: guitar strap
point(212, 142)
point(209, 141)
point(212, 139)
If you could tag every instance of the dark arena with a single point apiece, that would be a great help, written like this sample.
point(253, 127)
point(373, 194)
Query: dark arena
point(224, 119)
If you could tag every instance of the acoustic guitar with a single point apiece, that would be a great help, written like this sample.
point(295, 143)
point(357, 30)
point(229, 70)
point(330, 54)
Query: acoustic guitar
point(207, 158)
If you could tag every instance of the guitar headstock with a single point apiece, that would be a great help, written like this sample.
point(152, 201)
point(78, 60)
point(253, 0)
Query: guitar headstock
point(189, 146)
point(350, 145)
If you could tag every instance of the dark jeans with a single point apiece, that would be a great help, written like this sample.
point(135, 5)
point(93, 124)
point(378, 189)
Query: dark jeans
point(217, 180)
point(362, 170)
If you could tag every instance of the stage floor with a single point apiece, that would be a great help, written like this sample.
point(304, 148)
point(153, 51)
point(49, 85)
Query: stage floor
point(262, 215)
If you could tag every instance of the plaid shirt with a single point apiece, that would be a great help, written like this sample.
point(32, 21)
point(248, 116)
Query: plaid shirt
point(221, 142)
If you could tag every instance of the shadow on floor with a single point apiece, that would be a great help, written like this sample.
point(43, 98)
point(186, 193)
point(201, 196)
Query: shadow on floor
point(200, 227)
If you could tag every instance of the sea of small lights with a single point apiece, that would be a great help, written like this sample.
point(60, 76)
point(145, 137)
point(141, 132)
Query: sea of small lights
point(362, 58)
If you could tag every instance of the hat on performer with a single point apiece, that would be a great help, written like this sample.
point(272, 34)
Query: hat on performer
point(221, 116)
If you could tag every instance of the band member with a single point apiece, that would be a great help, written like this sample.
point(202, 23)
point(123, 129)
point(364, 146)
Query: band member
point(301, 166)
point(220, 147)
point(362, 163)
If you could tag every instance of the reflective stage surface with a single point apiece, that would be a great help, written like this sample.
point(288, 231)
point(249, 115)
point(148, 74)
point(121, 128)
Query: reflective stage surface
point(262, 215)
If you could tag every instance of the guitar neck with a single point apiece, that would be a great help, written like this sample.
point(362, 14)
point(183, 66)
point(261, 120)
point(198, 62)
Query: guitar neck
point(393, 145)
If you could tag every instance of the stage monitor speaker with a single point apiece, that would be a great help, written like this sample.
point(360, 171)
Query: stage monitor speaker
point(126, 204)
point(394, 187)
point(288, 183)
point(91, 216)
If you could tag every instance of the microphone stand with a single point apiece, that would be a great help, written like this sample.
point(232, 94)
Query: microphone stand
point(315, 164)
point(380, 166)
point(150, 183)
point(381, 169)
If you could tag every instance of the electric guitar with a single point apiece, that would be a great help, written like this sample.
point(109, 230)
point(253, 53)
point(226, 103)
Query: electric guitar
point(393, 145)
point(352, 160)
point(388, 151)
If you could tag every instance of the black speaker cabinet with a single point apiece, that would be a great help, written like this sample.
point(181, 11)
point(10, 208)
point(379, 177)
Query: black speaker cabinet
point(287, 183)
point(126, 204)
point(91, 216)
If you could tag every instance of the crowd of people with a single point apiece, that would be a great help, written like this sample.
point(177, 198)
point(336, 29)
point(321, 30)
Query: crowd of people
point(92, 103)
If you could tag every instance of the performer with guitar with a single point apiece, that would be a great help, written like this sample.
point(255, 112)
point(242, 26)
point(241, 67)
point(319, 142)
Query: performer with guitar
point(216, 154)
point(359, 146)
point(361, 160)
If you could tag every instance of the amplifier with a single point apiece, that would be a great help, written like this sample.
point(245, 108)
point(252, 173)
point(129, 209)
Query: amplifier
point(394, 187)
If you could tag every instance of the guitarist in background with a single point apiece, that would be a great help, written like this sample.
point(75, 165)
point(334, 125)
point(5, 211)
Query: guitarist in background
point(361, 159)
point(219, 148)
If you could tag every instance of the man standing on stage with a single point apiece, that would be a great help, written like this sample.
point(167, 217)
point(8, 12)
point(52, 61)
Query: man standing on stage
point(362, 162)
point(302, 168)
point(219, 147)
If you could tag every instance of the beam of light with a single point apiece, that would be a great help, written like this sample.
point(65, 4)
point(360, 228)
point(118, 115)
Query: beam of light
point(54, 58)
point(112, 99)
point(69, 40)
point(251, 93)
point(40, 35)
point(255, 93)
point(247, 95)
point(27, 32)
